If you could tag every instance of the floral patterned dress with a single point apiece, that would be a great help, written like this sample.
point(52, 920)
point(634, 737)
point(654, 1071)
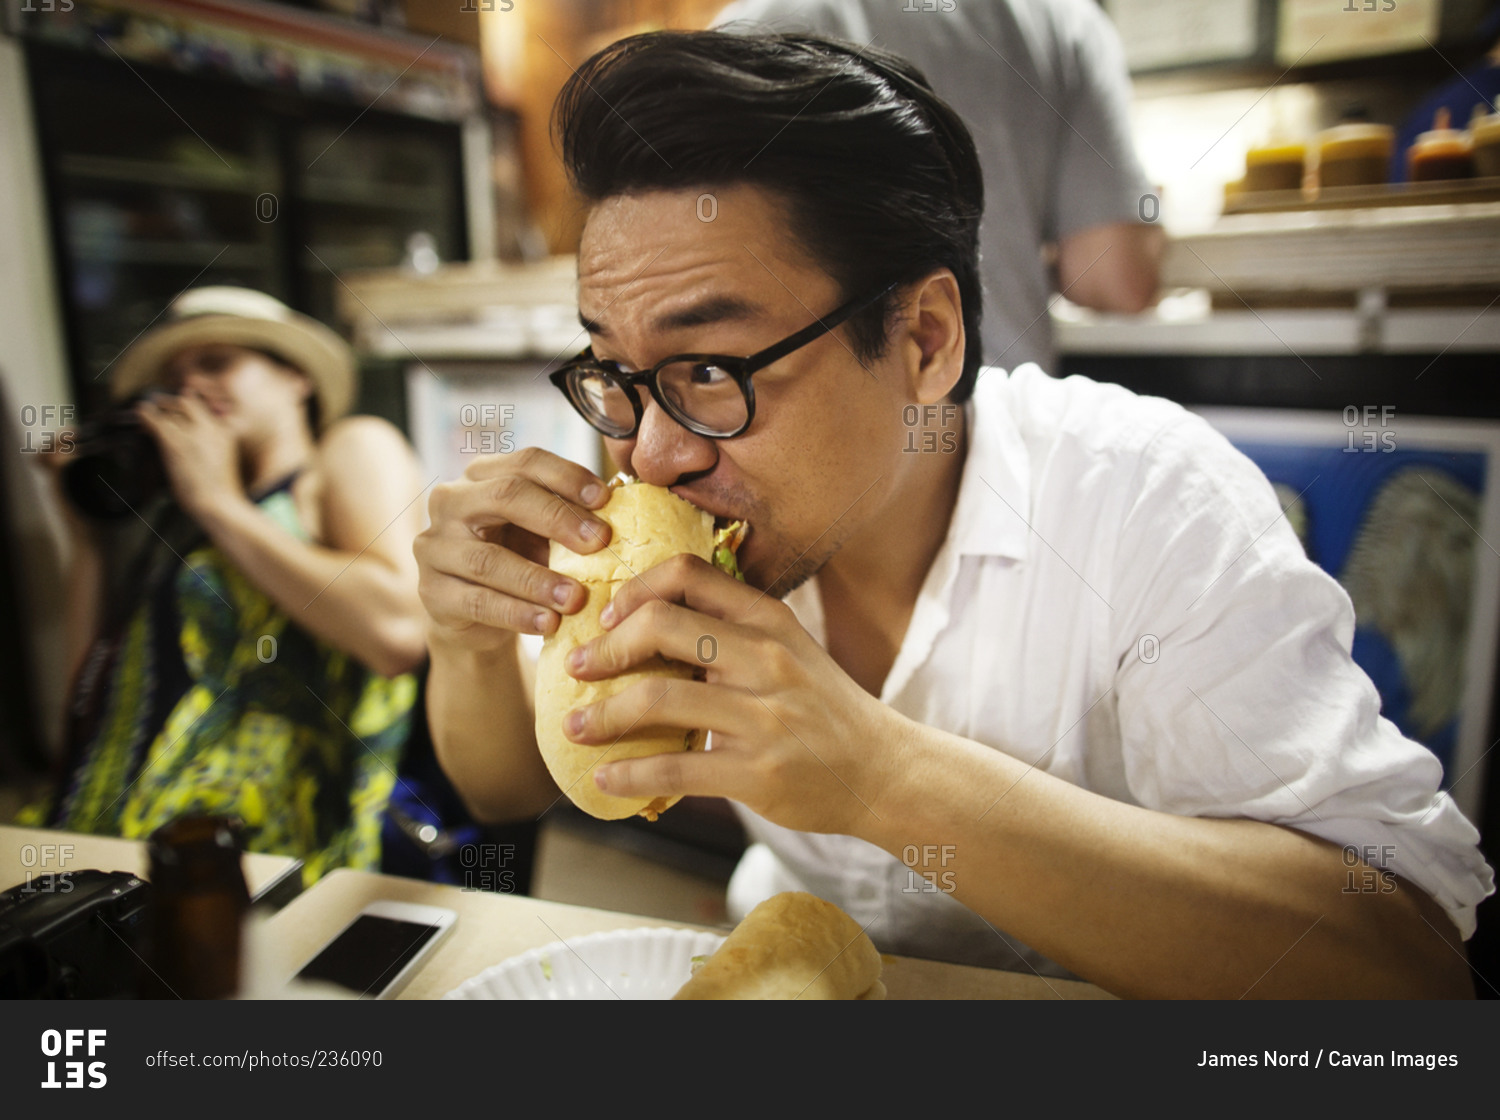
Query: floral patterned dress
point(207, 699)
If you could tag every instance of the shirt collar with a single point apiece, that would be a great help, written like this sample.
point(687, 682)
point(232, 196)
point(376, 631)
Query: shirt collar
point(993, 512)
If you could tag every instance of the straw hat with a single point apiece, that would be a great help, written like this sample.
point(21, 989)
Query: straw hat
point(242, 317)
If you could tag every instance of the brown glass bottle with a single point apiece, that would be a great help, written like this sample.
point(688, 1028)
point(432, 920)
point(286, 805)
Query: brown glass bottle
point(198, 906)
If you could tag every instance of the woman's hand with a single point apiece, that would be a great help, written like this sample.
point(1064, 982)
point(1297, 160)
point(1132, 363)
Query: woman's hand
point(794, 737)
point(198, 450)
point(483, 560)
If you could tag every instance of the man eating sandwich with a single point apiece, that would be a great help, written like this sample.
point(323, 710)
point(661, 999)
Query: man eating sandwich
point(933, 699)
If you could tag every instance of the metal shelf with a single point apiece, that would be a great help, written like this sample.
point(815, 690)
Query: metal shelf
point(156, 173)
point(200, 253)
point(1392, 248)
point(383, 196)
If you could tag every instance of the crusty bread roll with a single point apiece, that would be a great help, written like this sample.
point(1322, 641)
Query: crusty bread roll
point(792, 946)
point(649, 524)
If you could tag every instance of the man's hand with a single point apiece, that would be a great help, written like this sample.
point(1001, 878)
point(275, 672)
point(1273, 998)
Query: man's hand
point(794, 738)
point(483, 560)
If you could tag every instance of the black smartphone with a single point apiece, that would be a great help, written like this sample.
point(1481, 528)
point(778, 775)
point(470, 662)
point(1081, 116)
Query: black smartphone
point(376, 954)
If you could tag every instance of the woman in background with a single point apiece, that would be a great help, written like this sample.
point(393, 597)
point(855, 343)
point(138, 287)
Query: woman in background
point(254, 658)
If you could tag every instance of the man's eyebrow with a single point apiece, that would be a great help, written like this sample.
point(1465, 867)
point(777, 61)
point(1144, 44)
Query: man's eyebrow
point(714, 309)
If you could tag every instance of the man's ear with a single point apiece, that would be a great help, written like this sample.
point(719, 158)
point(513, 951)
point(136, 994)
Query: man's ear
point(932, 336)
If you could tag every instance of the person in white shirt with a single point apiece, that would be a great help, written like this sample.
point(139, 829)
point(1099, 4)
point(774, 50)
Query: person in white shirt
point(1025, 672)
point(1043, 88)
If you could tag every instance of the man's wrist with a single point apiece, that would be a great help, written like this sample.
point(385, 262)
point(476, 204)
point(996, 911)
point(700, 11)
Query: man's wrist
point(479, 647)
point(895, 743)
point(928, 781)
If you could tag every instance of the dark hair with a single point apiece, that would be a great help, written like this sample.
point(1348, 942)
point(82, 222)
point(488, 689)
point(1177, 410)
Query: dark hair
point(880, 176)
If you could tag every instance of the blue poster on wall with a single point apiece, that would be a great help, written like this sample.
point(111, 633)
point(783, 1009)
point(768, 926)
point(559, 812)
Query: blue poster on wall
point(1397, 527)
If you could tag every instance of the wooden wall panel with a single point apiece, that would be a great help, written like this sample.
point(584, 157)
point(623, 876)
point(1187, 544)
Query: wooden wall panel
point(530, 52)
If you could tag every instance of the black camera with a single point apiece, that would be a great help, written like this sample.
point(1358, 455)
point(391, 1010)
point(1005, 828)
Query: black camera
point(72, 935)
point(117, 467)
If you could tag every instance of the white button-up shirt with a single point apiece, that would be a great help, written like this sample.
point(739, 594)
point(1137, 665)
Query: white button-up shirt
point(1120, 602)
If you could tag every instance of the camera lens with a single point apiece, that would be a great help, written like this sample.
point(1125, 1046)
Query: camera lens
point(116, 469)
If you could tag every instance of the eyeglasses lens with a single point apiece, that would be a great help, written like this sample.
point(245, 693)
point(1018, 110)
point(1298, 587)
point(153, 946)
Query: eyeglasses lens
point(604, 402)
point(707, 395)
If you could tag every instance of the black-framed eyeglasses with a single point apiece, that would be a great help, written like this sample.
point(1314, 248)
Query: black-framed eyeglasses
point(708, 394)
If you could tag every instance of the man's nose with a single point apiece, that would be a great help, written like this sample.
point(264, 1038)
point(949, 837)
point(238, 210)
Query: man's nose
point(665, 451)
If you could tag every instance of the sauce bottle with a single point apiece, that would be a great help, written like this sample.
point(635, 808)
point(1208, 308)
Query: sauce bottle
point(198, 905)
point(1443, 153)
point(1354, 154)
point(1274, 167)
point(1485, 131)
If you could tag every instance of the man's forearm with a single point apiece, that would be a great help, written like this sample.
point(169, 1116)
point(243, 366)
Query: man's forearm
point(480, 715)
point(1113, 267)
point(1150, 904)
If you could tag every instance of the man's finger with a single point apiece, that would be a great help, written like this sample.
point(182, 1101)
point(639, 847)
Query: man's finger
point(489, 565)
point(679, 774)
point(514, 498)
point(684, 579)
point(678, 633)
point(458, 604)
point(657, 703)
point(567, 479)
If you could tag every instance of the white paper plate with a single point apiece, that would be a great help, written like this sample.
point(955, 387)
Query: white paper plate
point(619, 964)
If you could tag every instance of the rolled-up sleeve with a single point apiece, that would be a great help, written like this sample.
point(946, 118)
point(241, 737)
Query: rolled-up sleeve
point(1248, 702)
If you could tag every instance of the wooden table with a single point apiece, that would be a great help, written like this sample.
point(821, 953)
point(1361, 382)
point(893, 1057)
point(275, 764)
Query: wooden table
point(27, 853)
point(493, 927)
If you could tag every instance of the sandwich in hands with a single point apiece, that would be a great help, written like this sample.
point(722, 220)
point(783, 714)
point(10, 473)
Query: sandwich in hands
point(792, 946)
point(649, 524)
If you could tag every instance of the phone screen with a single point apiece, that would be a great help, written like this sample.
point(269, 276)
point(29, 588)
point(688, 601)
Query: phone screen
point(369, 954)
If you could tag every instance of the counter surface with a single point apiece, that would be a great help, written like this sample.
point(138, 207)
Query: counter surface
point(493, 927)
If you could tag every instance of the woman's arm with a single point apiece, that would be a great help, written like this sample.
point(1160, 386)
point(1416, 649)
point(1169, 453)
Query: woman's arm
point(84, 581)
point(357, 591)
point(357, 588)
point(85, 589)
